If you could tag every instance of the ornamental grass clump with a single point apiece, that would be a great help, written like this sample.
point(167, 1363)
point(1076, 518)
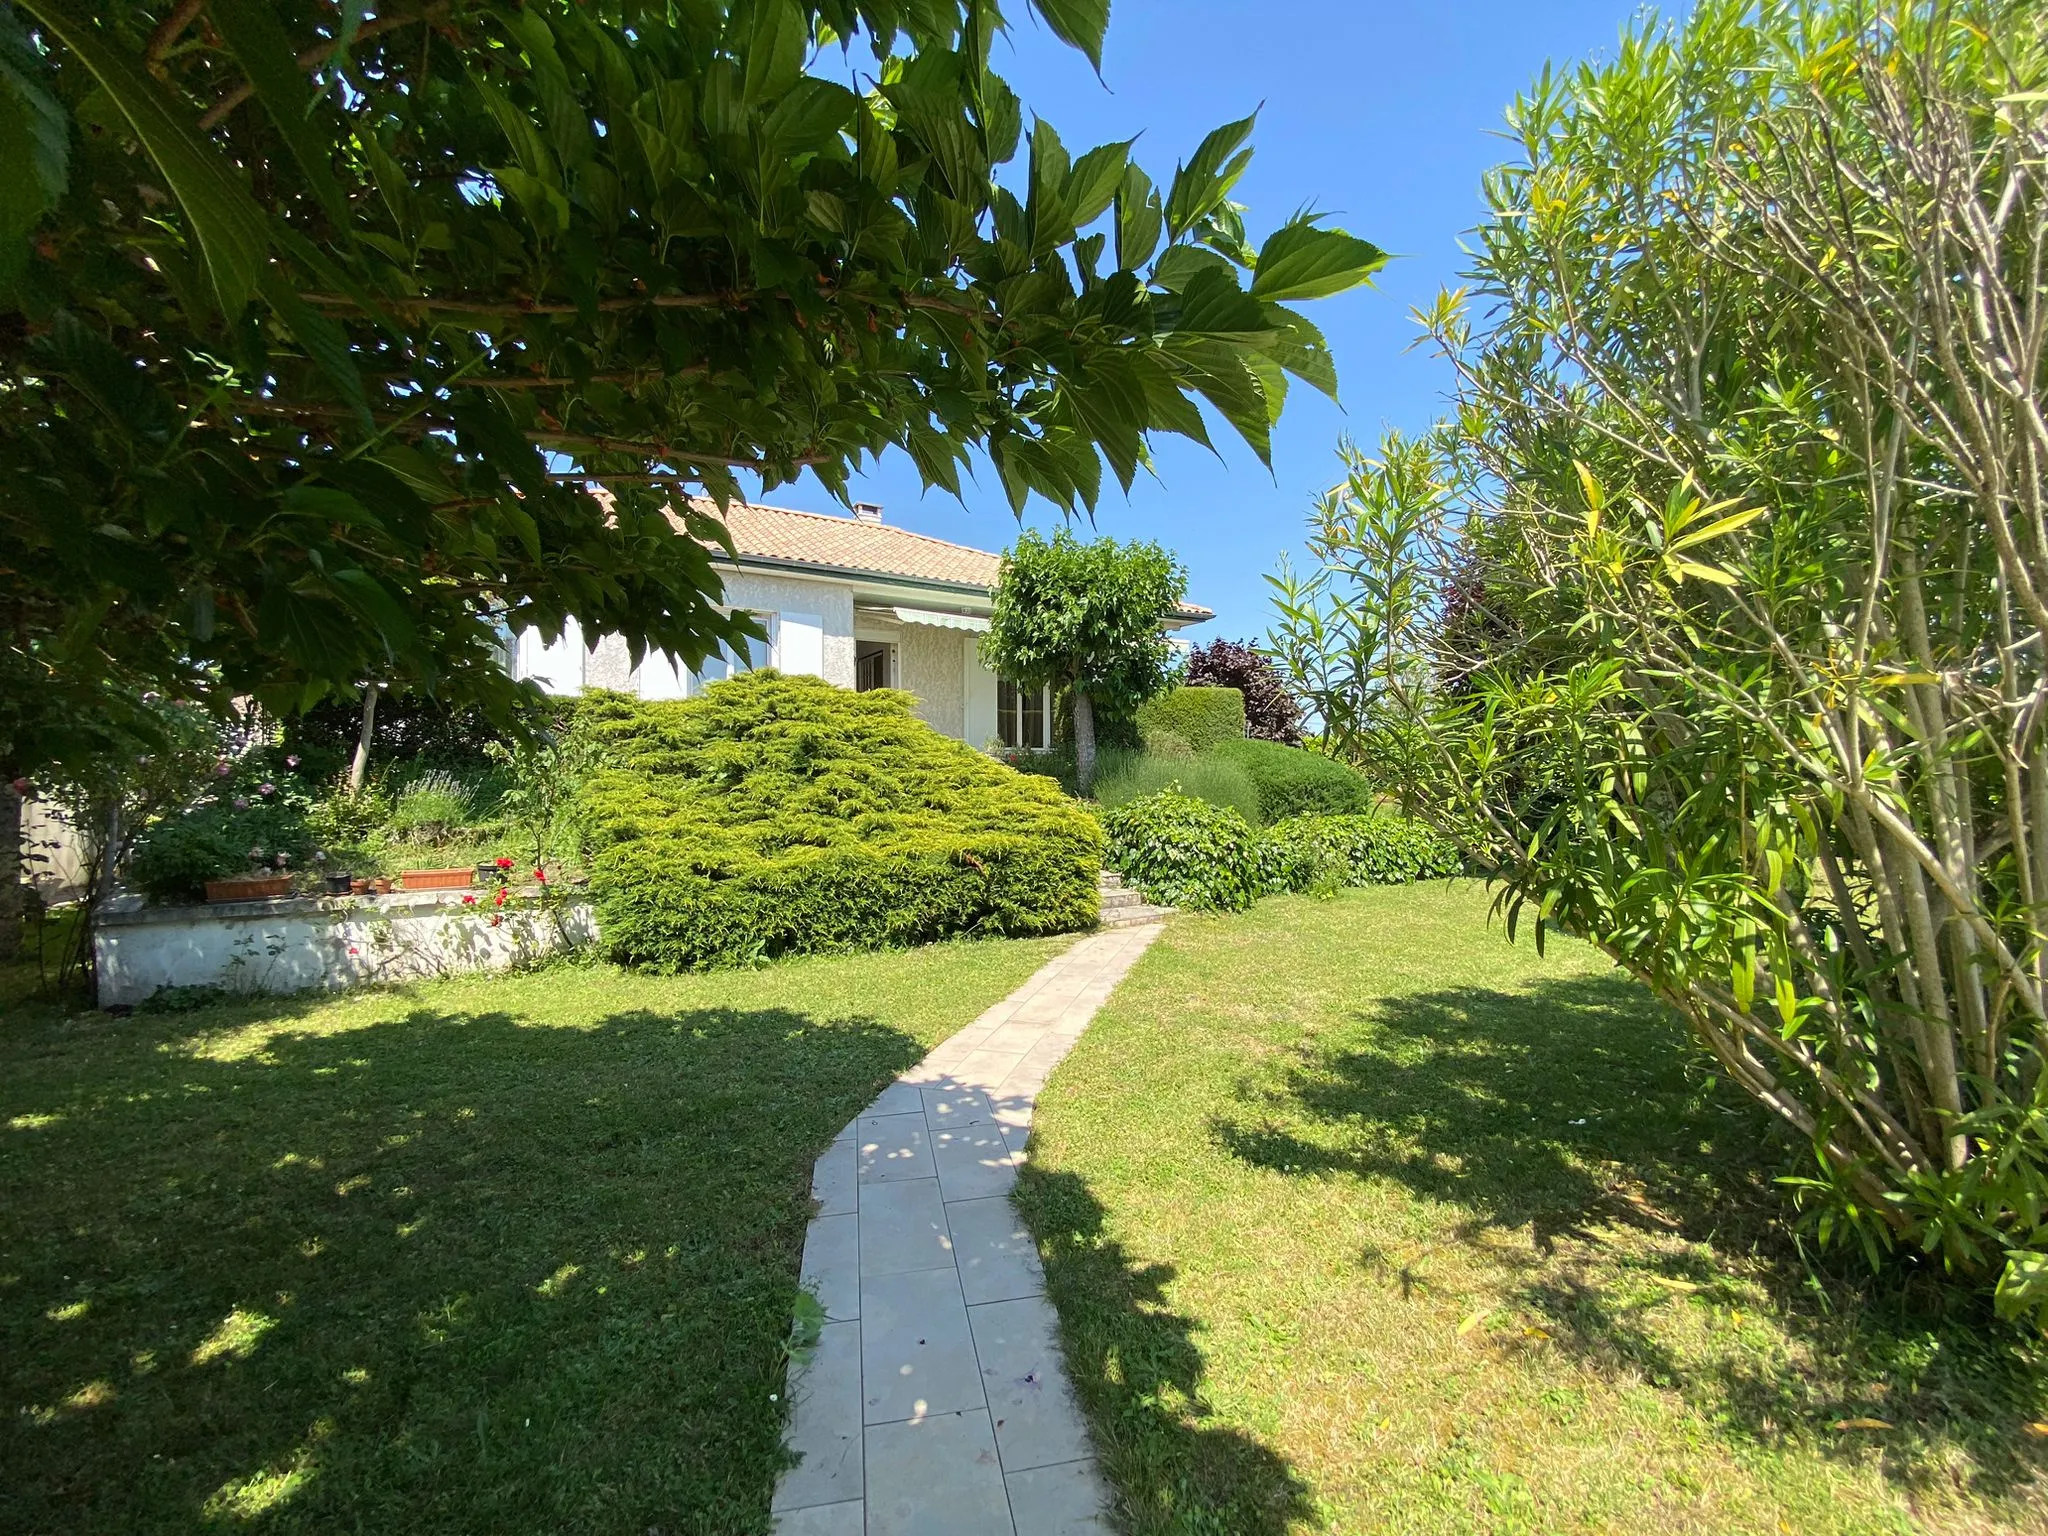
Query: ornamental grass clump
point(781, 815)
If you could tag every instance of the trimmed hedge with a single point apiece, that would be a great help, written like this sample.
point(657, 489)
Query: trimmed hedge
point(1204, 718)
point(1322, 852)
point(1294, 782)
point(781, 815)
point(1184, 852)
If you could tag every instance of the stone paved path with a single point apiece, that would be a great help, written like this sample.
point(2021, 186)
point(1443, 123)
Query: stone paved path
point(936, 1403)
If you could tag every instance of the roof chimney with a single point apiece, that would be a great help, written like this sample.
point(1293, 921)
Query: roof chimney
point(867, 512)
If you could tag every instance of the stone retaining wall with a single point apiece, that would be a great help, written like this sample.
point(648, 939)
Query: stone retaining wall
point(300, 943)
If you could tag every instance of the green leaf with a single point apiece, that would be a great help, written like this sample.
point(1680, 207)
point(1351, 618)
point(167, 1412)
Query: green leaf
point(1300, 261)
point(1219, 373)
point(45, 147)
point(1080, 24)
point(1096, 177)
point(230, 227)
point(1213, 305)
point(325, 342)
point(1140, 220)
point(252, 32)
point(1299, 347)
point(1205, 181)
point(775, 45)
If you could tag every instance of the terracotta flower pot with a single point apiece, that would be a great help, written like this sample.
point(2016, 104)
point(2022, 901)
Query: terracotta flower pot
point(438, 879)
point(248, 888)
point(381, 885)
point(359, 887)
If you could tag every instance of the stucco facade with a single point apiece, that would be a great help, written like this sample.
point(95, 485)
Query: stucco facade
point(851, 600)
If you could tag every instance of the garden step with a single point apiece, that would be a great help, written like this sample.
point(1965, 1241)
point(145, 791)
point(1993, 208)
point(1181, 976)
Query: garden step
point(1118, 898)
point(1109, 880)
point(1132, 917)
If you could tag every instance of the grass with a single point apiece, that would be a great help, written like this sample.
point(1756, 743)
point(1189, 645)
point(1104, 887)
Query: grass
point(1360, 1220)
point(488, 1255)
point(1122, 776)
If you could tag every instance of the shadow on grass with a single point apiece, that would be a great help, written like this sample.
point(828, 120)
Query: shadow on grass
point(1576, 1111)
point(437, 1272)
point(1136, 1365)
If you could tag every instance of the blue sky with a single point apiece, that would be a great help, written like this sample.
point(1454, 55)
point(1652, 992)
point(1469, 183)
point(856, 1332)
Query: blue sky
point(1382, 112)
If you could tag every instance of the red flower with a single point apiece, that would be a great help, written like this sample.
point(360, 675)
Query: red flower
point(504, 863)
point(353, 950)
point(469, 901)
point(497, 918)
point(501, 895)
point(541, 875)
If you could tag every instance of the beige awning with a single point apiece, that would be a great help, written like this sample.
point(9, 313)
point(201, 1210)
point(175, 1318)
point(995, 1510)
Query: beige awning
point(932, 620)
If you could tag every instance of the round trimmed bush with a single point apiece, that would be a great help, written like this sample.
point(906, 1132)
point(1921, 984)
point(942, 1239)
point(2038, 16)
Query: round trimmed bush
point(780, 815)
point(1184, 852)
point(1293, 781)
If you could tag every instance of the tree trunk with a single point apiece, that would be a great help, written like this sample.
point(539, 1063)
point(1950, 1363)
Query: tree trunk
point(359, 766)
point(1084, 742)
point(10, 872)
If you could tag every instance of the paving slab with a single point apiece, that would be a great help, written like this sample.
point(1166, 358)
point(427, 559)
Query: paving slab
point(936, 1402)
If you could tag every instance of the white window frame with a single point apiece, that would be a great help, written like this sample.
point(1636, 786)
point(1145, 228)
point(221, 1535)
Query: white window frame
point(1017, 718)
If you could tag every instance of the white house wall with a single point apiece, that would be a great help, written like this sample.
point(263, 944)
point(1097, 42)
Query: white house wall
point(828, 603)
point(932, 663)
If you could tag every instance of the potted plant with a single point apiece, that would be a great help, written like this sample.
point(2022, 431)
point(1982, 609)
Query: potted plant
point(259, 884)
point(448, 879)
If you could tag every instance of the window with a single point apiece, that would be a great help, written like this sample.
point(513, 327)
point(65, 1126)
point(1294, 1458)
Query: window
point(726, 661)
point(873, 662)
point(1023, 716)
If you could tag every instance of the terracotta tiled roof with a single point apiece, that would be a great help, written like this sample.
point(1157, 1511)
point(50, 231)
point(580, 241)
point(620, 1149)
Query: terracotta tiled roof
point(847, 544)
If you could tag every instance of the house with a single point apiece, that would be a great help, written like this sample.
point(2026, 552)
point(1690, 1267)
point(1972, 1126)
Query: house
point(852, 600)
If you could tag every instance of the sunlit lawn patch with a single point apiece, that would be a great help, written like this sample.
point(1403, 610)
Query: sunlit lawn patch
point(511, 1255)
point(1359, 1219)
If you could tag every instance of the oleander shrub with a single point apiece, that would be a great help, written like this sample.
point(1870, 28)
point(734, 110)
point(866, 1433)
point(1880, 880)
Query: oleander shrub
point(1185, 852)
point(1125, 776)
point(1204, 718)
point(781, 815)
point(1291, 781)
point(1308, 853)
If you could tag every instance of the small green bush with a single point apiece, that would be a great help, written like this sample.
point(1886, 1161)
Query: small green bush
point(432, 806)
point(777, 815)
point(1125, 776)
point(1204, 718)
point(175, 858)
point(1185, 852)
point(1307, 853)
point(1294, 782)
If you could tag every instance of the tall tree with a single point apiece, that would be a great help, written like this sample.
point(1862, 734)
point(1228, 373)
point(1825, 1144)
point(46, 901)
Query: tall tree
point(1751, 456)
point(319, 333)
point(1088, 620)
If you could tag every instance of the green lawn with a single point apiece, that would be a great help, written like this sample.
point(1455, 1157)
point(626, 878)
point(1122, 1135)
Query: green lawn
point(493, 1255)
point(1359, 1219)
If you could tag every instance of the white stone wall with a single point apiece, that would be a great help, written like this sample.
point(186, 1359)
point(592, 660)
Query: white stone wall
point(932, 663)
point(307, 944)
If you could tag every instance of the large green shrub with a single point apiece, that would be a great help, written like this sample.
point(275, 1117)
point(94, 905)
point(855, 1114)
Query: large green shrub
point(777, 815)
point(1291, 781)
point(1204, 718)
point(1322, 852)
point(1184, 852)
point(1126, 776)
